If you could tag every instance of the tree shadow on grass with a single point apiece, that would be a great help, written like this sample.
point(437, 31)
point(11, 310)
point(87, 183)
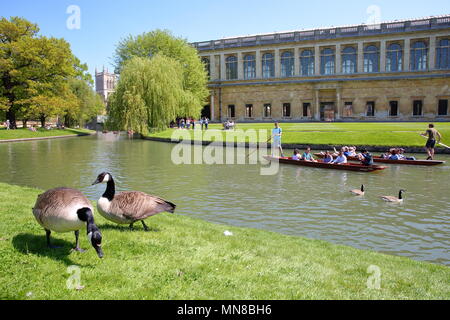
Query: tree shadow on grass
point(33, 244)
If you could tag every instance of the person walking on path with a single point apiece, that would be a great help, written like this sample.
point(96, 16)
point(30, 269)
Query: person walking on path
point(277, 132)
point(433, 137)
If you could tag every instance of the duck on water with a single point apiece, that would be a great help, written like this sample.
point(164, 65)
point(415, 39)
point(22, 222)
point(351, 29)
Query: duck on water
point(130, 206)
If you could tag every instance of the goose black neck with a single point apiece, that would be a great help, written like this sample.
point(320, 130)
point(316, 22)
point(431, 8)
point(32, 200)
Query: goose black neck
point(400, 195)
point(85, 214)
point(110, 190)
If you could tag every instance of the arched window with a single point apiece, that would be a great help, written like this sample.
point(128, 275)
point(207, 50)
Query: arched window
point(349, 60)
point(287, 64)
point(231, 65)
point(307, 63)
point(268, 66)
point(249, 67)
point(327, 61)
point(207, 65)
point(419, 56)
point(443, 54)
point(371, 59)
point(394, 58)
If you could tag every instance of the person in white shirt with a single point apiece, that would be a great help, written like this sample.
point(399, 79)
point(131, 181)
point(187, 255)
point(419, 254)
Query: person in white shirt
point(277, 132)
point(341, 159)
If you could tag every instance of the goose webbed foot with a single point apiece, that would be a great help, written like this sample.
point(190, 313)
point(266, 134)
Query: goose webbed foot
point(146, 228)
point(49, 245)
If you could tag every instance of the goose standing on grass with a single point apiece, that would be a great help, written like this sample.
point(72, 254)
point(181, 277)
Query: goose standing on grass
point(64, 210)
point(129, 207)
point(357, 192)
point(394, 199)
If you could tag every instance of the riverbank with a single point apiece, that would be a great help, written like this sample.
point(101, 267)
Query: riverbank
point(376, 137)
point(28, 135)
point(187, 258)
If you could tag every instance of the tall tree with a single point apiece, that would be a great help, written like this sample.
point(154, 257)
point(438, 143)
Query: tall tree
point(33, 70)
point(162, 42)
point(149, 95)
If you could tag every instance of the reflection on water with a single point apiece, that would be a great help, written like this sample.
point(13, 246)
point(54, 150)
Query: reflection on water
point(299, 201)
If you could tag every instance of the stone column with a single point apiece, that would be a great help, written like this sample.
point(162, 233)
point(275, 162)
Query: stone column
point(296, 62)
point(277, 64)
point(338, 103)
point(212, 67)
point(317, 105)
point(338, 59)
point(223, 68)
point(360, 57)
point(212, 105)
point(432, 53)
point(258, 64)
point(317, 60)
point(383, 56)
point(240, 66)
point(406, 54)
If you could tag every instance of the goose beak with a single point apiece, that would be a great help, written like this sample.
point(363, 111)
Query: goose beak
point(96, 182)
point(99, 251)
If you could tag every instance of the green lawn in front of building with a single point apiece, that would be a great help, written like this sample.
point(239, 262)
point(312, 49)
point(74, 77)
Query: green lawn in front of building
point(359, 134)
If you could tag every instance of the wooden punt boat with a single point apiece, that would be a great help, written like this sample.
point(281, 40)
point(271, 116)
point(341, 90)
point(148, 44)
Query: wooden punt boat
point(322, 165)
point(406, 162)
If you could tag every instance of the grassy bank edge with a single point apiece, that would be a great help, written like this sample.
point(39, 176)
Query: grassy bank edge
point(27, 135)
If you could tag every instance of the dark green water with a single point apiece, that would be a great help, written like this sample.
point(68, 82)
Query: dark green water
point(300, 201)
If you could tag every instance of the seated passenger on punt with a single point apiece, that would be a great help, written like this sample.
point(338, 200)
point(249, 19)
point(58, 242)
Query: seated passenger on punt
point(341, 158)
point(296, 155)
point(328, 158)
point(307, 156)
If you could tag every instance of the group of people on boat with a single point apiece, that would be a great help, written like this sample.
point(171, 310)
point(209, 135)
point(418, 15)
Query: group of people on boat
point(396, 154)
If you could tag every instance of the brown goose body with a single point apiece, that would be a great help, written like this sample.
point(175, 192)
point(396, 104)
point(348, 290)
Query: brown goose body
point(358, 192)
point(56, 209)
point(131, 206)
point(394, 199)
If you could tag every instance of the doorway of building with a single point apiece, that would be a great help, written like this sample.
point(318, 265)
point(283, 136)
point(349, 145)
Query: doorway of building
point(206, 112)
point(327, 112)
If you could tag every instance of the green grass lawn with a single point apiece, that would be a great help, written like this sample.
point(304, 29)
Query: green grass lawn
point(26, 133)
point(359, 134)
point(187, 258)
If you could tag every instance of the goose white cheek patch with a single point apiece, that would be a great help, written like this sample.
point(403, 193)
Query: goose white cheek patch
point(89, 235)
point(106, 178)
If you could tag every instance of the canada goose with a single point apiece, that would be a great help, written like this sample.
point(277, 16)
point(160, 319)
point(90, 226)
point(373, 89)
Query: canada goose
point(64, 210)
point(129, 207)
point(357, 192)
point(394, 199)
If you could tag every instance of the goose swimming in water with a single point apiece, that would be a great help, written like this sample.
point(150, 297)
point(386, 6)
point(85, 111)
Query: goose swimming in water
point(358, 192)
point(129, 207)
point(64, 210)
point(394, 199)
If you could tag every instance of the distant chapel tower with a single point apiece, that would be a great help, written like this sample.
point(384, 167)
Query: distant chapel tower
point(105, 83)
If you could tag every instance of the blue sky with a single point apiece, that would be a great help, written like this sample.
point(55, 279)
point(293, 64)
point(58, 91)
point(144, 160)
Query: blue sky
point(105, 22)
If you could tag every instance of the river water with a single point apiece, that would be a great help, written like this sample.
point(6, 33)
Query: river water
point(301, 201)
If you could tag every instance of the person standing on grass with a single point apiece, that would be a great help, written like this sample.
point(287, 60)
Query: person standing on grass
point(433, 137)
point(7, 124)
point(277, 132)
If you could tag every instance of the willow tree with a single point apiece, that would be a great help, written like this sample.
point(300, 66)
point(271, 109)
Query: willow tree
point(149, 95)
point(193, 76)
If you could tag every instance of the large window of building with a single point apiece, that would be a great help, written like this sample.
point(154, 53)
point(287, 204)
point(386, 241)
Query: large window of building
point(231, 111)
point(306, 109)
point(231, 66)
point(417, 107)
point(327, 61)
point(443, 54)
point(267, 110)
point(419, 56)
point(371, 59)
point(249, 111)
point(348, 109)
point(249, 67)
point(207, 65)
point(393, 108)
point(307, 63)
point(443, 107)
point(287, 64)
point(349, 60)
point(286, 110)
point(370, 108)
point(394, 58)
point(268, 65)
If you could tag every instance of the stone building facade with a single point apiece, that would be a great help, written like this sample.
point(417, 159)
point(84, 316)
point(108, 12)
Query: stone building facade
point(394, 71)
